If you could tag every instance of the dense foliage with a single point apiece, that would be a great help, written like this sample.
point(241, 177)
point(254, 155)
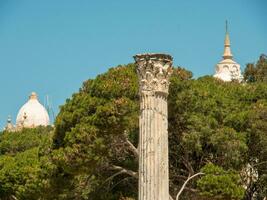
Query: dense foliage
point(214, 122)
point(257, 72)
point(217, 128)
point(22, 161)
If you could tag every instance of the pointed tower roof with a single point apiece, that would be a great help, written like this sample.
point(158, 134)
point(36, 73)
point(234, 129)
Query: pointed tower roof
point(227, 50)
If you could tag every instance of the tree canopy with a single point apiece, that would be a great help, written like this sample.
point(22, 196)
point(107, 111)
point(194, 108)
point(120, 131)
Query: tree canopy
point(22, 175)
point(257, 72)
point(216, 128)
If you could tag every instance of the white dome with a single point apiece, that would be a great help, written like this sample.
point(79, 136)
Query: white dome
point(32, 114)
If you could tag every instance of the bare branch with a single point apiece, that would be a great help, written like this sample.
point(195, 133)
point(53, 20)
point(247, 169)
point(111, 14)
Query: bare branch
point(113, 176)
point(121, 171)
point(130, 145)
point(179, 177)
point(188, 166)
point(261, 163)
point(125, 171)
point(14, 197)
point(191, 189)
point(183, 186)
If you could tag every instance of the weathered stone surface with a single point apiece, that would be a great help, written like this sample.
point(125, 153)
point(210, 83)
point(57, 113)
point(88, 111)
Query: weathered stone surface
point(154, 71)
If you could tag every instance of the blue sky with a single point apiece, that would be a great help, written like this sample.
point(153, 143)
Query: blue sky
point(52, 46)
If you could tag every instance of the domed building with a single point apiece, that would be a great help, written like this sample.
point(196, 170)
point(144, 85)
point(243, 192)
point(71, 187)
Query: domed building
point(32, 114)
point(227, 69)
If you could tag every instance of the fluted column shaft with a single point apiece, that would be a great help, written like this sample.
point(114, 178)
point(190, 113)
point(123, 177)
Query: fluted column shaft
point(154, 71)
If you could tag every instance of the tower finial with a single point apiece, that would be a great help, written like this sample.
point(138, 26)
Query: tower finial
point(227, 50)
point(33, 95)
point(226, 27)
point(9, 119)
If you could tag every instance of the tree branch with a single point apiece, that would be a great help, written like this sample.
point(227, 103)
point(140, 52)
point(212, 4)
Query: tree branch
point(257, 164)
point(191, 189)
point(188, 166)
point(14, 197)
point(111, 177)
point(130, 145)
point(188, 179)
point(125, 171)
point(179, 177)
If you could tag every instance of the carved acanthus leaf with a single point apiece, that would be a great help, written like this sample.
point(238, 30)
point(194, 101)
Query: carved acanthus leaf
point(154, 71)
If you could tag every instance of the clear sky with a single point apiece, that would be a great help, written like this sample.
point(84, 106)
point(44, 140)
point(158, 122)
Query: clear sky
point(52, 46)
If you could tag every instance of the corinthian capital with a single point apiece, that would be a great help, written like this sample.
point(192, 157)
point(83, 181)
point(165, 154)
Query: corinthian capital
point(154, 71)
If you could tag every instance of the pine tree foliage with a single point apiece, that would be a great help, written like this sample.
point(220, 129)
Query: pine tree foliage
point(215, 127)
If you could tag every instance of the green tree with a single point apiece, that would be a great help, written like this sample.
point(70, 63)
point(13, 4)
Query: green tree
point(216, 129)
point(257, 142)
point(220, 184)
point(97, 133)
point(21, 173)
point(258, 72)
point(207, 124)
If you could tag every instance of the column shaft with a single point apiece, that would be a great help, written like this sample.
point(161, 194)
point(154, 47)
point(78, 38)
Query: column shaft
point(154, 71)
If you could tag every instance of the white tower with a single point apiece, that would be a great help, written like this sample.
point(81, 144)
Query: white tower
point(228, 69)
point(9, 126)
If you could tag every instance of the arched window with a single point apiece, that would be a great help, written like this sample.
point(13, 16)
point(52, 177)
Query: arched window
point(225, 67)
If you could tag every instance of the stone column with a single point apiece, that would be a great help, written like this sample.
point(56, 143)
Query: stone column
point(154, 71)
